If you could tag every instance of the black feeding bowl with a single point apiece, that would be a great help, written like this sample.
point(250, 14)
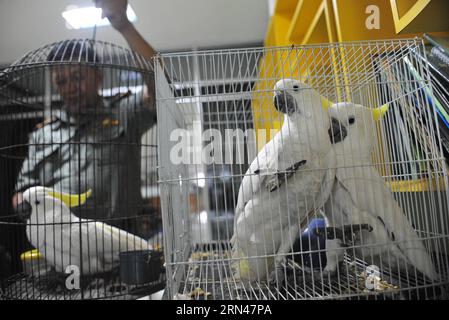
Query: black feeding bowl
point(140, 267)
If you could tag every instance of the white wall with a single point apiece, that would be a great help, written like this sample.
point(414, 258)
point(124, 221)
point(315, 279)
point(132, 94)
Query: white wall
point(168, 24)
point(271, 6)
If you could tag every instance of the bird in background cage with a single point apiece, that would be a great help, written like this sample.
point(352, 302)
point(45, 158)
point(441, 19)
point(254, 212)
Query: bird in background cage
point(284, 183)
point(360, 196)
point(57, 233)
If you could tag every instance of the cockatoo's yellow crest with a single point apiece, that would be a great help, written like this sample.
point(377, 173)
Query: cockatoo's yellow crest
point(378, 113)
point(70, 200)
point(325, 103)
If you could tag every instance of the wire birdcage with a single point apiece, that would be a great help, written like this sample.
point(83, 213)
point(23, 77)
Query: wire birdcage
point(302, 172)
point(79, 119)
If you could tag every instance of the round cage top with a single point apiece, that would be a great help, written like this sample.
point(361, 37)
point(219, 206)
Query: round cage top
point(26, 81)
point(83, 51)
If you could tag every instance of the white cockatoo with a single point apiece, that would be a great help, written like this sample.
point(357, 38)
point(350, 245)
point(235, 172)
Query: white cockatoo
point(66, 240)
point(289, 178)
point(361, 196)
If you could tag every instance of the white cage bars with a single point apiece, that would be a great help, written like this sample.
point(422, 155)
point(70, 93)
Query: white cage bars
point(388, 209)
point(77, 119)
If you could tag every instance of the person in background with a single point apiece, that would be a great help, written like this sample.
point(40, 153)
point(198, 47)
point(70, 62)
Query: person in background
point(93, 142)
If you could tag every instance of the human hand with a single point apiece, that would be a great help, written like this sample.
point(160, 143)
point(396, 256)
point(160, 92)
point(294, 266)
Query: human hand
point(16, 199)
point(115, 11)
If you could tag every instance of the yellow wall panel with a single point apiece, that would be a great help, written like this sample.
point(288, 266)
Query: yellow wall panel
point(404, 6)
point(351, 20)
point(303, 17)
point(285, 6)
point(281, 26)
point(294, 21)
point(322, 27)
point(415, 16)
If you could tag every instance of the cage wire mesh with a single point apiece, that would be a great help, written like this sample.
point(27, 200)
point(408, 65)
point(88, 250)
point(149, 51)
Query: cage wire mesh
point(79, 144)
point(303, 172)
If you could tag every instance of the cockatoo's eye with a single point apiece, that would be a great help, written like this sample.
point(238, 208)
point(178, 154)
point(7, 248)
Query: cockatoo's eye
point(296, 88)
point(351, 120)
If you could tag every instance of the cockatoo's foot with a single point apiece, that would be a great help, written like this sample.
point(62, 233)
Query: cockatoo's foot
point(278, 276)
point(52, 281)
point(331, 269)
point(327, 274)
point(239, 285)
point(334, 255)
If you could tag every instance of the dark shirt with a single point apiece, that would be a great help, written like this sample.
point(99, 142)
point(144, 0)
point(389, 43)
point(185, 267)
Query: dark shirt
point(101, 152)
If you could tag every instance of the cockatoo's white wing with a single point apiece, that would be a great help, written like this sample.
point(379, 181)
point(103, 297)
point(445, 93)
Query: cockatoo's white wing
point(67, 248)
point(61, 247)
point(262, 223)
point(264, 165)
point(65, 240)
point(249, 214)
point(368, 194)
point(49, 231)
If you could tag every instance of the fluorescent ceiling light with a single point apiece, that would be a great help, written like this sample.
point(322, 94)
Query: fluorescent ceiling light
point(88, 17)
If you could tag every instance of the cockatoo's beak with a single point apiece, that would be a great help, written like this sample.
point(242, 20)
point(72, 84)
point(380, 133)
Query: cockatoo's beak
point(285, 102)
point(378, 113)
point(70, 200)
